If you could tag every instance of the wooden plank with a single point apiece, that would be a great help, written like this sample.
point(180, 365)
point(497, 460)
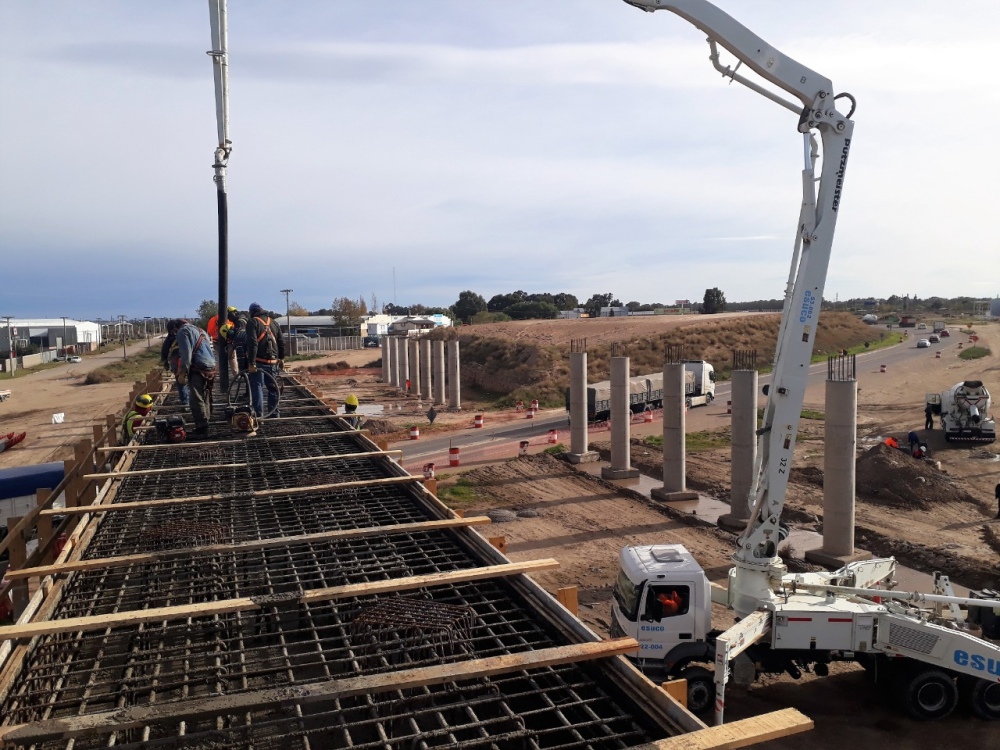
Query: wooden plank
point(241, 496)
point(209, 443)
point(568, 598)
point(105, 563)
point(203, 467)
point(138, 716)
point(678, 690)
point(243, 604)
point(743, 733)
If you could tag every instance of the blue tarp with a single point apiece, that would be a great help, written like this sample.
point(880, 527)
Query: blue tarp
point(25, 480)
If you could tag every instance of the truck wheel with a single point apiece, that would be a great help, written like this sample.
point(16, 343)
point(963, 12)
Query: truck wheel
point(929, 694)
point(701, 688)
point(981, 696)
point(709, 398)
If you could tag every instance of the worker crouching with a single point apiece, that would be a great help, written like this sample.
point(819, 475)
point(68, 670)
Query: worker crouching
point(135, 417)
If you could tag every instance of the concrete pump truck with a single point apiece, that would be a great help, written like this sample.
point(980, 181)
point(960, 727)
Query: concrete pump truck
point(927, 645)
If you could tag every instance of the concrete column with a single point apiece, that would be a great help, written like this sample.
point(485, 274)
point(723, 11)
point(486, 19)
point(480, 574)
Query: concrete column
point(439, 368)
point(402, 362)
point(386, 361)
point(621, 424)
point(425, 369)
point(744, 451)
point(674, 456)
point(578, 437)
point(414, 347)
point(454, 376)
point(839, 481)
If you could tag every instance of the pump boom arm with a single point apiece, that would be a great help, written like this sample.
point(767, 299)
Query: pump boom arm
point(758, 569)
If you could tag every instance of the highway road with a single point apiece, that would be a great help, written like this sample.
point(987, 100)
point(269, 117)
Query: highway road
point(868, 364)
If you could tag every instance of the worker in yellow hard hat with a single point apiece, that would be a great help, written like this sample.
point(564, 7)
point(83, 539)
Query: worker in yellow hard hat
point(135, 416)
point(351, 408)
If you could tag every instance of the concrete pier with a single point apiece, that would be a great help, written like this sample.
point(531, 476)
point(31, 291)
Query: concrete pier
point(744, 450)
point(674, 456)
point(454, 376)
point(425, 369)
point(621, 423)
point(579, 438)
point(439, 368)
point(388, 375)
point(402, 362)
point(839, 477)
point(414, 352)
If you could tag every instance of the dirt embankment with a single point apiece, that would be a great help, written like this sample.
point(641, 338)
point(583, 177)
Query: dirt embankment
point(528, 359)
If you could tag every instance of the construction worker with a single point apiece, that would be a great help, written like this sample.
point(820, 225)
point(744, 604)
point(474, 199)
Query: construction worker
point(352, 417)
point(914, 440)
point(265, 353)
point(135, 416)
point(670, 603)
point(996, 495)
point(196, 367)
point(928, 417)
point(892, 442)
point(169, 357)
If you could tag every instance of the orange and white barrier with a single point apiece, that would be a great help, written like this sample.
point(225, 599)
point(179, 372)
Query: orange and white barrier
point(881, 368)
point(523, 449)
point(647, 416)
point(428, 471)
point(453, 457)
point(553, 436)
point(530, 414)
point(414, 433)
point(519, 406)
point(937, 355)
point(729, 407)
point(534, 404)
point(478, 421)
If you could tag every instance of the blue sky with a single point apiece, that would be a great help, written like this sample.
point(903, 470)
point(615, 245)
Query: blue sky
point(564, 145)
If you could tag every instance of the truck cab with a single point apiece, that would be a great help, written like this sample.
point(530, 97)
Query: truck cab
point(662, 598)
point(699, 383)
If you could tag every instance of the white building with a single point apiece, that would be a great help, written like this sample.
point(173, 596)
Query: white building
point(379, 325)
point(50, 333)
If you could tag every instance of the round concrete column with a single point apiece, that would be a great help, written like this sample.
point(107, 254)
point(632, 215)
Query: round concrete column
point(386, 362)
point(454, 376)
point(674, 457)
point(403, 362)
point(744, 451)
point(425, 369)
point(414, 346)
point(621, 427)
point(578, 436)
point(839, 476)
point(439, 367)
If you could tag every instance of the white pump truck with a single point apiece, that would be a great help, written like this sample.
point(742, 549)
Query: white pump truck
point(795, 622)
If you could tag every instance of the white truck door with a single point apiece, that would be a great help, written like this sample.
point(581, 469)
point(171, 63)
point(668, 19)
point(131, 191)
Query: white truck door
point(666, 618)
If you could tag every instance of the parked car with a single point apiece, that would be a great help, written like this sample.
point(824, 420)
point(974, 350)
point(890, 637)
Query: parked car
point(76, 359)
point(943, 333)
point(934, 338)
point(921, 326)
point(923, 344)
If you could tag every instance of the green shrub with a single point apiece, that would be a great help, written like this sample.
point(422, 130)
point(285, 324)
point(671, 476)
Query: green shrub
point(975, 352)
point(555, 450)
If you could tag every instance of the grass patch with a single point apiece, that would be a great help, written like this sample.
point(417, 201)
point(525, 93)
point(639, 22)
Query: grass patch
point(975, 352)
point(136, 367)
point(555, 450)
point(812, 414)
point(694, 442)
point(303, 357)
point(460, 494)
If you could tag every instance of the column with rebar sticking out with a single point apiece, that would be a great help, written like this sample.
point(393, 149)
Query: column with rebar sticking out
point(439, 367)
point(621, 418)
point(839, 450)
point(744, 446)
point(578, 437)
point(387, 373)
point(414, 354)
point(402, 362)
point(425, 369)
point(454, 376)
point(674, 459)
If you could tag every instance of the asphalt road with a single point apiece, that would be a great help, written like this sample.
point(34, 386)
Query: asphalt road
point(868, 362)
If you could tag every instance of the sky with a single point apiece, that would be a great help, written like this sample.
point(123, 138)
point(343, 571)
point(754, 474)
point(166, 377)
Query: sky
point(410, 151)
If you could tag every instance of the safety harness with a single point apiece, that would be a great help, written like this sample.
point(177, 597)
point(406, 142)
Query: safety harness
point(267, 332)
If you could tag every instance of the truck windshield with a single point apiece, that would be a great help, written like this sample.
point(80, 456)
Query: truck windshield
point(627, 594)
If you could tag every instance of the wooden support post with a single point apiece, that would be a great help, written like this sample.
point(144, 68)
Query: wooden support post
point(82, 454)
point(500, 542)
point(72, 491)
point(43, 523)
point(18, 555)
point(678, 690)
point(111, 423)
point(431, 485)
point(568, 598)
point(98, 435)
point(382, 443)
point(459, 513)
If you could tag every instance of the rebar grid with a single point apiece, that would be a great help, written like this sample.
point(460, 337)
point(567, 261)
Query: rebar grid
point(127, 532)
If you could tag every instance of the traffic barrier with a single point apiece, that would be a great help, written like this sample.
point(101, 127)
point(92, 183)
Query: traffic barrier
point(453, 457)
point(534, 404)
point(523, 449)
point(530, 414)
point(428, 471)
point(937, 355)
point(729, 407)
point(881, 368)
point(647, 416)
point(414, 433)
point(553, 436)
point(478, 421)
point(519, 406)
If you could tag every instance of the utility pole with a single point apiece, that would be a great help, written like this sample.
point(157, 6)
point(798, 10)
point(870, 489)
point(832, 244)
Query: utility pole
point(121, 330)
point(145, 329)
point(10, 346)
point(65, 352)
point(288, 318)
point(220, 65)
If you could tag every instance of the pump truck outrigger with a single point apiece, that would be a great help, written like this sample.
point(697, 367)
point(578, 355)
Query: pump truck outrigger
point(791, 622)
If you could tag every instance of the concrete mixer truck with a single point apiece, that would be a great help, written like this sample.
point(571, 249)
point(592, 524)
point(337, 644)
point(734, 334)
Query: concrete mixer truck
point(964, 410)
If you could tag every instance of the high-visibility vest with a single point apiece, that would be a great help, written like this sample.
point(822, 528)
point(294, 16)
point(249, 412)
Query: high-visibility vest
point(128, 431)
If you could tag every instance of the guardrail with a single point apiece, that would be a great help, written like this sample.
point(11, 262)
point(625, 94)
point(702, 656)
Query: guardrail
point(76, 490)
